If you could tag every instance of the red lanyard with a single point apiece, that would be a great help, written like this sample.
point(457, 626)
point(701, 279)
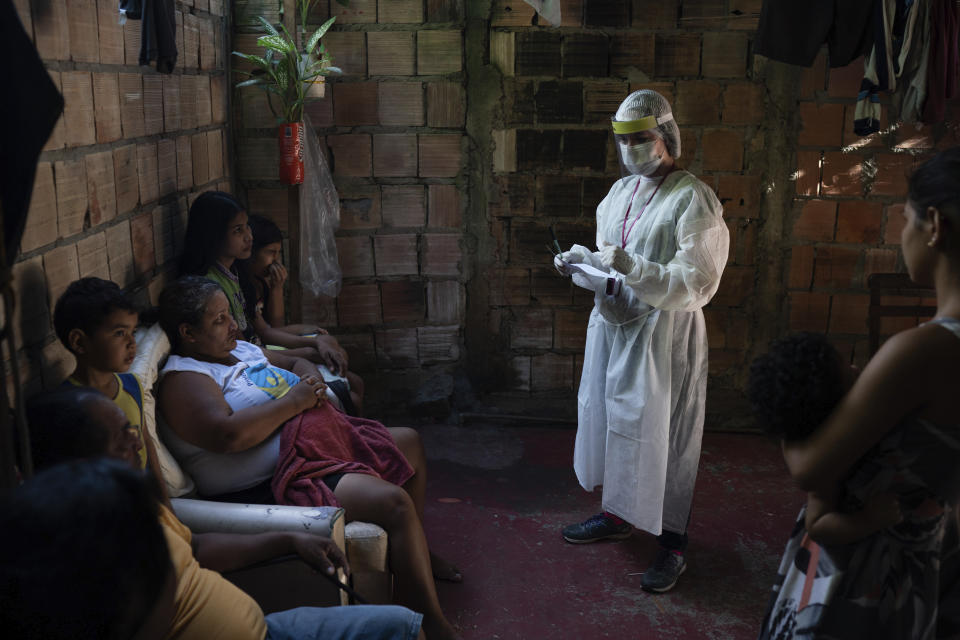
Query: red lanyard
point(624, 232)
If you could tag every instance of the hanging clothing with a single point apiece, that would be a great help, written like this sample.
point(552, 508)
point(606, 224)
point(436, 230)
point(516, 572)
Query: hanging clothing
point(793, 32)
point(908, 98)
point(943, 64)
point(893, 25)
point(158, 34)
point(643, 388)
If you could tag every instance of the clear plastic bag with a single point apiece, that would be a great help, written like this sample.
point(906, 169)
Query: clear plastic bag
point(319, 220)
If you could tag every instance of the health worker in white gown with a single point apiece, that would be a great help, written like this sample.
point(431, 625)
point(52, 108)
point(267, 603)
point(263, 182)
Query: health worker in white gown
point(662, 240)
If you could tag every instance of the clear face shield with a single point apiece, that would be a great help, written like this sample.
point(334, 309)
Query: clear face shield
point(641, 146)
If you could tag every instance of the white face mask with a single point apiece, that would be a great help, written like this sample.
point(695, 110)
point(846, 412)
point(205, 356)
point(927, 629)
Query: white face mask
point(641, 159)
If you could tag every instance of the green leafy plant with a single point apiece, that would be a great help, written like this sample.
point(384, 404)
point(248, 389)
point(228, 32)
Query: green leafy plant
point(287, 72)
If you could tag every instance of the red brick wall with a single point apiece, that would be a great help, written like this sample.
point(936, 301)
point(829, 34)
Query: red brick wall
point(847, 213)
point(132, 150)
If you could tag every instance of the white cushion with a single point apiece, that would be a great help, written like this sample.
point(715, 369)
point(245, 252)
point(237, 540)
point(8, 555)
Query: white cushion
point(153, 347)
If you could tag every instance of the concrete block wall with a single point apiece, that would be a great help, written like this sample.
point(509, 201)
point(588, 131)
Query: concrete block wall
point(848, 206)
point(131, 152)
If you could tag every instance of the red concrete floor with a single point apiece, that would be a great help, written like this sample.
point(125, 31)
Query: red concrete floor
point(496, 501)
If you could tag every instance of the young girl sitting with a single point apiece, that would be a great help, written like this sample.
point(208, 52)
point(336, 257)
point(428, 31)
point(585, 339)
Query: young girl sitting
point(217, 236)
point(263, 277)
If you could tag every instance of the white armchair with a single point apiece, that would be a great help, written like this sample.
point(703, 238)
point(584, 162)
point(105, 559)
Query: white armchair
point(365, 544)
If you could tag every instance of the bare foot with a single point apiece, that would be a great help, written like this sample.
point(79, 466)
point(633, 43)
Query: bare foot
point(443, 570)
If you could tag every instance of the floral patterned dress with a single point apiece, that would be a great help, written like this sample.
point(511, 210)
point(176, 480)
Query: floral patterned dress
point(887, 585)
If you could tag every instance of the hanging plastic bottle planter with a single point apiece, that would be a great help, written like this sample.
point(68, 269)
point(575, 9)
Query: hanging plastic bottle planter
point(291, 153)
point(293, 78)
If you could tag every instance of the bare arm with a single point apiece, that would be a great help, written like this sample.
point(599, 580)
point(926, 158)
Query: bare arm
point(898, 380)
point(302, 329)
point(228, 551)
point(194, 407)
point(828, 526)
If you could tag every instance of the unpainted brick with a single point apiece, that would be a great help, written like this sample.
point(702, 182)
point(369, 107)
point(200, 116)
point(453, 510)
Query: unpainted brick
point(356, 256)
point(445, 10)
point(51, 30)
point(106, 100)
point(351, 155)
point(358, 304)
point(440, 155)
point(445, 104)
point(724, 54)
point(404, 206)
point(551, 371)
point(360, 207)
point(82, 18)
point(842, 174)
point(546, 288)
point(120, 253)
point(397, 348)
point(445, 301)
point(509, 287)
point(184, 163)
point(271, 203)
point(178, 39)
point(153, 116)
point(848, 313)
point(677, 55)
point(559, 102)
point(110, 33)
point(199, 160)
point(204, 114)
point(208, 45)
point(400, 103)
point(532, 329)
point(438, 344)
point(441, 254)
point(808, 173)
point(821, 125)
point(131, 42)
point(610, 13)
point(141, 237)
point(399, 11)
point(439, 52)
point(537, 149)
point(71, 179)
point(816, 221)
point(836, 267)
point(41, 224)
point(356, 12)
point(130, 86)
point(92, 257)
point(444, 206)
point(698, 102)
point(349, 51)
point(188, 101)
point(894, 225)
point(893, 170)
point(631, 53)
point(125, 176)
point(503, 52)
point(602, 99)
point(859, 221)
point(558, 196)
point(585, 55)
point(743, 103)
point(520, 370)
point(538, 54)
point(740, 195)
point(147, 178)
point(390, 53)
point(736, 286)
point(215, 154)
point(355, 103)
point(166, 166)
point(101, 191)
point(61, 267)
point(722, 150)
point(395, 155)
point(511, 13)
point(218, 99)
point(78, 108)
point(171, 103)
point(395, 255)
point(801, 267)
point(571, 14)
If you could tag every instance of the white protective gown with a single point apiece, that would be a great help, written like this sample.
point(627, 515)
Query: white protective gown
point(643, 388)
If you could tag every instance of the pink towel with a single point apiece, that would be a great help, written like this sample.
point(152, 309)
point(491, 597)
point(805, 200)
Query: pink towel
point(322, 441)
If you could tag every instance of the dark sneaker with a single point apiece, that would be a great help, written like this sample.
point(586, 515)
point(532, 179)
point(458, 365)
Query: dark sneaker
point(663, 573)
point(598, 527)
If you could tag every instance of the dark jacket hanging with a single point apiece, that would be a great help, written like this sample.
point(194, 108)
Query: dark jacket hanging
point(158, 39)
